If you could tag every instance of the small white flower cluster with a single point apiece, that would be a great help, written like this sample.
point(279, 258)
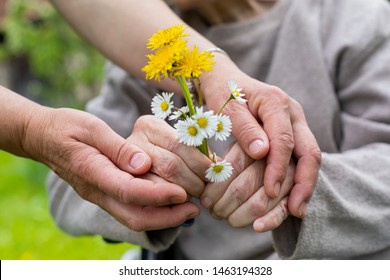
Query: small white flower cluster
point(193, 130)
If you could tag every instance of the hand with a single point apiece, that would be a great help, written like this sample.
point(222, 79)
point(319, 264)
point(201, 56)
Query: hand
point(99, 165)
point(272, 124)
point(175, 162)
point(242, 199)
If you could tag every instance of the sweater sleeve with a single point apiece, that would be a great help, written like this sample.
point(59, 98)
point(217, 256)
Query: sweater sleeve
point(349, 213)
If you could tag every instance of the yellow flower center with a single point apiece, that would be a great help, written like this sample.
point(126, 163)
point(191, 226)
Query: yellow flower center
point(164, 105)
point(192, 131)
point(219, 126)
point(202, 122)
point(217, 168)
point(236, 93)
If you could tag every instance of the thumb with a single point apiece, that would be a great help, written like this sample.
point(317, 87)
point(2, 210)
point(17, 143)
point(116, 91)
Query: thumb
point(128, 157)
point(248, 132)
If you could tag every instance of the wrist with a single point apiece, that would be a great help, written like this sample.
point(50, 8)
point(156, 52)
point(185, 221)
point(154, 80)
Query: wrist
point(34, 133)
point(215, 83)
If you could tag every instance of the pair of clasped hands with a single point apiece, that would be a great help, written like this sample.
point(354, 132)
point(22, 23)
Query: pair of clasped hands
point(147, 180)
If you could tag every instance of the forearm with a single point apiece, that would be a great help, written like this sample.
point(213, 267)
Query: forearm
point(120, 29)
point(16, 113)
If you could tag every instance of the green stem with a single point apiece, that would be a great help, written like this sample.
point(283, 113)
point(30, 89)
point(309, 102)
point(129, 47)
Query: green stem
point(186, 93)
point(204, 148)
point(200, 93)
point(223, 106)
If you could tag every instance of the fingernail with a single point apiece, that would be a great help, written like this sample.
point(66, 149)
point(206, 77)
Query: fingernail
point(206, 202)
point(259, 226)
point(256, 146)
point(188, 223)
point(303, 210)
point(215, 216)
point(137, 160)
point(277, 189)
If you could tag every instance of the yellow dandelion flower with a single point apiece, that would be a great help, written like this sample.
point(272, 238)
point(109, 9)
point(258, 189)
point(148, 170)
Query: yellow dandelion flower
point(193, 63)
point(160, 64)
point(166, 36)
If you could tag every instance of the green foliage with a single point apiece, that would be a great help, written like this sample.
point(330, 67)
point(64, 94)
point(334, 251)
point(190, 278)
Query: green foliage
point(27, 230)
point(63, 62)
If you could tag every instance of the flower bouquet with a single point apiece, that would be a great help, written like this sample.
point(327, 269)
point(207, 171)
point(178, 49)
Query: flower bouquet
point(172, 58)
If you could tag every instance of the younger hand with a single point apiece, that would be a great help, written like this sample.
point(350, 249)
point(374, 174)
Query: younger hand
point(102, 167)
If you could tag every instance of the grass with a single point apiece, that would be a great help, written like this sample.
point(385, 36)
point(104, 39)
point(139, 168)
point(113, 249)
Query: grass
point(27, 230)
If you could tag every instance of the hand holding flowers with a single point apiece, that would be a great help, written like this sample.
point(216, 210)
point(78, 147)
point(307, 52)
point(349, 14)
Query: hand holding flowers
point(270, 125)
point(173, 59)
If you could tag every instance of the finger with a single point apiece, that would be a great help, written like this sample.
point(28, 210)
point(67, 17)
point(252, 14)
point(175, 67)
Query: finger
point(240, 190)
point(308, 165)
point(172, 168)
point(167, 139)
point(247, 130)
point(272, 107)
point(273, 218)
point(214, 191)
point(260, 203)
point(101, 174)
point(308, 156)
point(146, 218)
point(126, 156)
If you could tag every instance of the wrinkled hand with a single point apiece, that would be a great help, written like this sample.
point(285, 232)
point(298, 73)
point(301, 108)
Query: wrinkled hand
point(242, 199)
point(175, 162)
point(100, 165)
point(271, 124)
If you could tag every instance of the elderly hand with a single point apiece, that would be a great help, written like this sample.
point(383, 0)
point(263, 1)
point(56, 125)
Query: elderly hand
point(175, 162)
point(271, 124)
point(242, 199)
point(101, 166)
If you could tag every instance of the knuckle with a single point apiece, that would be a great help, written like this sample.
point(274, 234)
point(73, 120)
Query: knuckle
point(136, 225)
point(172, 143)
point(241, 193)
point(317, 155)
point(122, 194)
point(121, 153)
point(281, 212)
point(279, 94)
point(143, 122)
point(297, 107)
point(260, 205)
point(237, 164)
point(247, 128)
point(283, 143)
point(166, 167)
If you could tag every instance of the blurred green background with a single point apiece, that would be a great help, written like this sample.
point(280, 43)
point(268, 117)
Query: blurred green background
point(44, 60)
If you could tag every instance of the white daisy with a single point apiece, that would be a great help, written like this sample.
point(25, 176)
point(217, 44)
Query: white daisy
point(219, 171)
point(189, 133)
point(162, 105)
point(224, 127)
point(236, 92)
point(179, 113)
point(206, 121)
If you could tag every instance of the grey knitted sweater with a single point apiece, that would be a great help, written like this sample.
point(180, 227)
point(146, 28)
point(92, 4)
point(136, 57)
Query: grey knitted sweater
point(333, 56)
